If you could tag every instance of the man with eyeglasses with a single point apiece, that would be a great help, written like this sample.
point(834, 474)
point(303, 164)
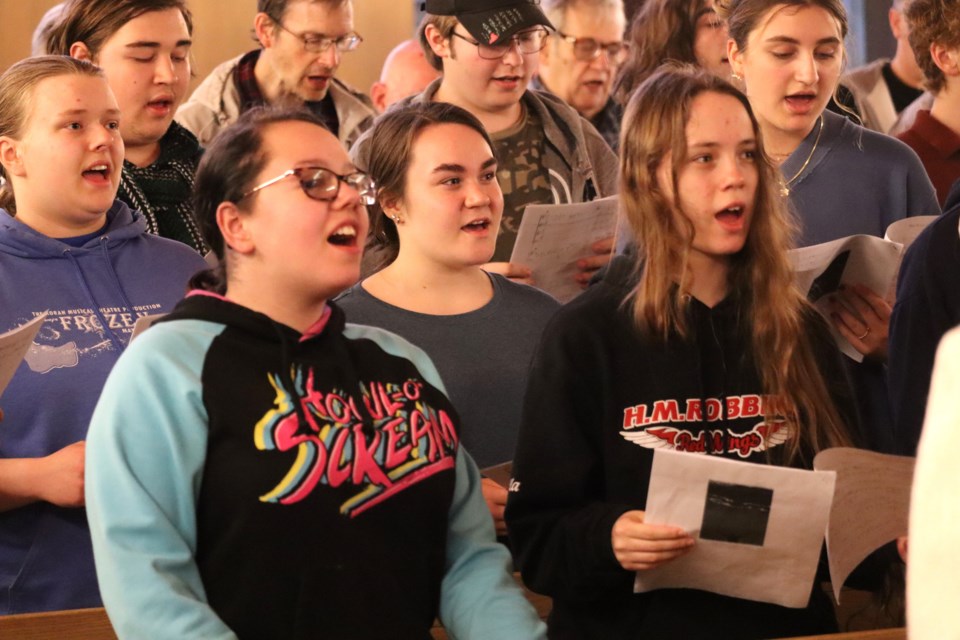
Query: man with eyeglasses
point(581, 60)
point(487, 52)
point(301, 45)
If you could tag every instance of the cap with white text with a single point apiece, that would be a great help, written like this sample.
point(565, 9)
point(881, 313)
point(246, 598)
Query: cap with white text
point(490, 21)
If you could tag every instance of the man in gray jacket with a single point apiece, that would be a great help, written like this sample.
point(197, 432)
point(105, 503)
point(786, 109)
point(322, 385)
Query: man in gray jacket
point(488, 51)
point(301, 43)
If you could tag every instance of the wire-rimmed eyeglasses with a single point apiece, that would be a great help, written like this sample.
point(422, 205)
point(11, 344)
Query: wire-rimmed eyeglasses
point(529, 41)
point(589, 49)
point(320, 183)
point(316, 43)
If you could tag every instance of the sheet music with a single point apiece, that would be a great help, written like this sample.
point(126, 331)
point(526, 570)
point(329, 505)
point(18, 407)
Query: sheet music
point(13, 347)
point(871, 505)
point(860, 259)
point(553, 237)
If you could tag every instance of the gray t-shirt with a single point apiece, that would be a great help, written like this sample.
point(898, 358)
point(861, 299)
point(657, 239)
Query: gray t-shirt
point(483, 356)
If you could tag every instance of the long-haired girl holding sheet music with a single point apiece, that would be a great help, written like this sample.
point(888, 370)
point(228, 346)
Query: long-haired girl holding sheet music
point(438, 213)
point(702, 345)
point(69, 249)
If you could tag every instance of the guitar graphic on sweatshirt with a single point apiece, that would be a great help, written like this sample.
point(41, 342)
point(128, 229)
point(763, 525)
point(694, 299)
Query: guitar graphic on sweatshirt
point(43, 358)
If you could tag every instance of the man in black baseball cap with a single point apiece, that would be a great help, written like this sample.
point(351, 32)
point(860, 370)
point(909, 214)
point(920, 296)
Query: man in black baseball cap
point(488, 52)
point(490, 21)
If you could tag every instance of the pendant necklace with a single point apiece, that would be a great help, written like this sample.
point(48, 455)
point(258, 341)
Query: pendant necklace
point(785, 186)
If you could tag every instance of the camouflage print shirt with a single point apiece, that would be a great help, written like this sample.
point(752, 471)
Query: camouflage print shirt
point(522, 177)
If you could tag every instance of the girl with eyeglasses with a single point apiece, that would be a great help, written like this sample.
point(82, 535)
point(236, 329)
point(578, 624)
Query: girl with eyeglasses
point(69, 249)
point(707, 316)
point(841, 179)
point(439, 208)
point(262, 469)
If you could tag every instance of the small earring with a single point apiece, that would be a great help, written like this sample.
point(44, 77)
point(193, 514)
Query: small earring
point(736, 76)
point(396, 219)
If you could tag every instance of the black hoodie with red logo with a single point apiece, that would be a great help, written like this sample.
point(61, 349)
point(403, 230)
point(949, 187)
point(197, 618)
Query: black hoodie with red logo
point(600, 399)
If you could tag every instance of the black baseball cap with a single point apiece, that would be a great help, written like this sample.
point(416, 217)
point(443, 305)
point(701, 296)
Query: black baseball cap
point(490, 21)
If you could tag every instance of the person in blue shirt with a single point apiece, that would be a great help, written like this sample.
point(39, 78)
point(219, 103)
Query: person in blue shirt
point(70, 250)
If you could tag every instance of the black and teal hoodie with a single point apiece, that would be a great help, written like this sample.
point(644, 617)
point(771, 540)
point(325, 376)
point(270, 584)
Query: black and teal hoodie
point(249, 481)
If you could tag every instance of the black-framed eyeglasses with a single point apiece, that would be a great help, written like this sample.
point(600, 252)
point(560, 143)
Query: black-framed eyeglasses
point(529, 41)
point(316, 43)
point(589, 49)
point(323, 184)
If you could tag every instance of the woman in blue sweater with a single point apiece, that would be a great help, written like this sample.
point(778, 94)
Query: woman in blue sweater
point(841, 179)
point(69, 249)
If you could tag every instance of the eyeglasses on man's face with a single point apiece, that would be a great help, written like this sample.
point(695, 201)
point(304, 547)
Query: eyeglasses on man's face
point(529, 41)
point(316, 43)
point(589, 49)
point(323, 184)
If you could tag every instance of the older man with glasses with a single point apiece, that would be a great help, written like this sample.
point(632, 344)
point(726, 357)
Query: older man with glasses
point(580, 62)
point(488, 51)
point(301, 45)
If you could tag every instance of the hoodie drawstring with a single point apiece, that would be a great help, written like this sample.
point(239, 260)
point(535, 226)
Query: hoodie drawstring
point(114, 338)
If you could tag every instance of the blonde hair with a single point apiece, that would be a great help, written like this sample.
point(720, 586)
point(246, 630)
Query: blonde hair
point(16, 90)
point(761, 276)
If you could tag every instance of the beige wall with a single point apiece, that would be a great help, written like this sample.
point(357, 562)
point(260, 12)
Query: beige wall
point(222, 30)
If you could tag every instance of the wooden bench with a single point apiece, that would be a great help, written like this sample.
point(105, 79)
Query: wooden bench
point(77, 624)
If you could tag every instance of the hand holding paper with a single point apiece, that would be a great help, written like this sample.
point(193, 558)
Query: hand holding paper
point(589, 265)
point(639, 546)
point(759, 528)
point(564, 244)
point(863, 318)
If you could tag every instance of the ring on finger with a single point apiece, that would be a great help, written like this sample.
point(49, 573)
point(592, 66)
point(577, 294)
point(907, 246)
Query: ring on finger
point(866, 332)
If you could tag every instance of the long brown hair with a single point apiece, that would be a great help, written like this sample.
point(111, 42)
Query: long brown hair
point(16, 90)
point(661, 30)
point(761, 275)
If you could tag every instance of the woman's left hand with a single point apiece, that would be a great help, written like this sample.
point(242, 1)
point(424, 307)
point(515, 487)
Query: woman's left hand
point(586, 267)
point(863, 318)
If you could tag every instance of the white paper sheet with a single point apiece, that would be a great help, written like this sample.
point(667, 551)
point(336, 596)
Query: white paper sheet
point(781, 570)
point(552, 237)
point(871, 506)
point(862, 259)
point(905, 231)
point(13, 347)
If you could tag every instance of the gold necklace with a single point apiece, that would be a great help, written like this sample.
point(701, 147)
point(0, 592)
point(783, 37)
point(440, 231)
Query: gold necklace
point(785, 186)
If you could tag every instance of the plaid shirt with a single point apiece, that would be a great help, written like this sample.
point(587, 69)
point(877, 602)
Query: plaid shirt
point(251, 96)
